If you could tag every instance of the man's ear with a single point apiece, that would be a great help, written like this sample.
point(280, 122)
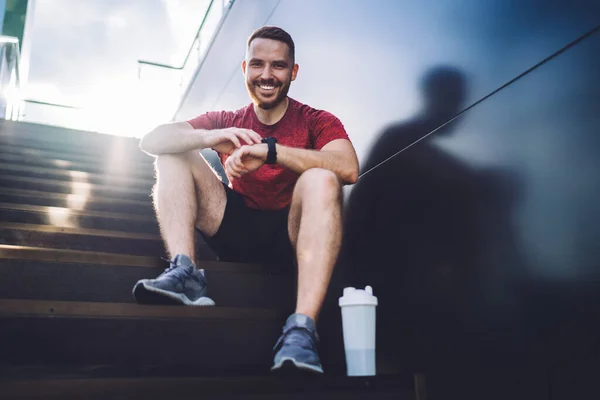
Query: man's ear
point(244, 67)
point(295, 71)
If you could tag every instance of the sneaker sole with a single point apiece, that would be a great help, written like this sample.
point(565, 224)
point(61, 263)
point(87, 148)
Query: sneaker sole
point(289, 365)
point(144, 294)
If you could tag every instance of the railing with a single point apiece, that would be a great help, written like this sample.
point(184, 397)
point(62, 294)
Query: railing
point(10, 81)
point(183, 74)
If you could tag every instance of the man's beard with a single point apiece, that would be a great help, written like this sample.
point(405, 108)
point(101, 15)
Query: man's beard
point(267, 105)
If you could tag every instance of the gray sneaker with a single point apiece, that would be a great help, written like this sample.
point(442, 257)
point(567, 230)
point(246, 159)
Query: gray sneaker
point(297, 347)
point(181, 283)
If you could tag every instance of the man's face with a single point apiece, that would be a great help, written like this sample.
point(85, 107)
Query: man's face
point(268, 70)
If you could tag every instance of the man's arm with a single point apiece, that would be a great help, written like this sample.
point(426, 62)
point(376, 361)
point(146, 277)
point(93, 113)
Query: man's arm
point(337, 156)
point(175, 137)
point(180, 137)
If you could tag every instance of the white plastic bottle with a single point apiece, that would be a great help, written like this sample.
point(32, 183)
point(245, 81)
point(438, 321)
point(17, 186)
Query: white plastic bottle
point(358, 322)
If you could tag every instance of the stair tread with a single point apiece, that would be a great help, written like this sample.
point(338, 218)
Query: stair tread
point(11, 252)
point(76, 309)
point(78, 186)
point(248, 388)
point(102, 214)
point(44, 136)
point(77, 231)
point(67, 196)
point(73, 174)
point(108, 241)
point(55, 161)
point(49, 151)
point(401, 385)
point(65, 217)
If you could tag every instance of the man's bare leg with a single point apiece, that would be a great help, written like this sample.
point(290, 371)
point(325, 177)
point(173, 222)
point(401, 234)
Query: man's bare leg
point(315, 228)
point(187, 194)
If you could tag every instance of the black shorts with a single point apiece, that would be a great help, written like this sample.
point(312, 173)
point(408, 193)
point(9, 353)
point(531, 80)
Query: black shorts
point(248, 235)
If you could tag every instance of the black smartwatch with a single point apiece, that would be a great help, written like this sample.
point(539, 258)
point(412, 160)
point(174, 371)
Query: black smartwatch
point(272, 153)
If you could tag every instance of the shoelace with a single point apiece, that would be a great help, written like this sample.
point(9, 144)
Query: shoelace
point(293, 336)
point(174, 271)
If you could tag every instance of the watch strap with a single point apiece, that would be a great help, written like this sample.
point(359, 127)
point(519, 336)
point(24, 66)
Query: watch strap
point(272, 152)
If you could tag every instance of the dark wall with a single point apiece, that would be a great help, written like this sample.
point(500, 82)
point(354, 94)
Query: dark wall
point(481, 241)
point(488, 264)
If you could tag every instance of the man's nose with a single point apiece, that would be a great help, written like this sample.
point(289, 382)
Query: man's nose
point(266, 73)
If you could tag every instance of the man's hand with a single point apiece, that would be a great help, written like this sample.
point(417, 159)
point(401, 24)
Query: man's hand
point(246, 159)
point(227, 140)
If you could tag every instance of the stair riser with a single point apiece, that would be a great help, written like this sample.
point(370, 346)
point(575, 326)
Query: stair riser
point(91, 205)
point(79, 221)
point(27, 279)
point(65, 187)
point(211, 345)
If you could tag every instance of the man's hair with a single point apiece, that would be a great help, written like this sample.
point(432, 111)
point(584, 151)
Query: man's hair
point(274, 33)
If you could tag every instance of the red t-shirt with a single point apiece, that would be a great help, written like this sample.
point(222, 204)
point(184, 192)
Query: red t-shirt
point(271, 186)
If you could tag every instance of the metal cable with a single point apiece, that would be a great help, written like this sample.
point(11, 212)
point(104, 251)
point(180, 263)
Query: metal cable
point(545, 60)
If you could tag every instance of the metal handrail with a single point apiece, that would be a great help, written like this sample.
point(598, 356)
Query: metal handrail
point(45, 103)
point(12, 43)
point(226, 3)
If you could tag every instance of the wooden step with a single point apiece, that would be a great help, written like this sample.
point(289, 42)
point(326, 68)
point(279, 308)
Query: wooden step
point(89, 257)
point(121, 160)
point(77, 188)
point(216, 340)
point(73, 175)
point(65, 217)
point(350, 388)
point(142, 244)
point(102, 168)
point(21, 130)
point(121, 166)
point(91, 310)
point(91, 202)
point(59, 139)
point(48, 274)
point(54, 237)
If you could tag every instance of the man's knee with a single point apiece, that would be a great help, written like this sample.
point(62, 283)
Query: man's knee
point(319, 182)
point(192, 161)
point(169, 161)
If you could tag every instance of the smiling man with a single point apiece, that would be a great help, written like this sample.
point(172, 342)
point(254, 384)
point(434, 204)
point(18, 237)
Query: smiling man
point(286, 162)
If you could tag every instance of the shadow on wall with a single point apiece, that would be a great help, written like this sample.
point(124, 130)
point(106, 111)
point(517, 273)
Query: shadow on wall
point(433, 236)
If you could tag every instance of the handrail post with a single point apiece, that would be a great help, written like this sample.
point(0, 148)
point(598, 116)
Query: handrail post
point(10, 84)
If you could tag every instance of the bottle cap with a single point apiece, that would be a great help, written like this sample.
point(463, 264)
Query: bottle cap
point(358, 297)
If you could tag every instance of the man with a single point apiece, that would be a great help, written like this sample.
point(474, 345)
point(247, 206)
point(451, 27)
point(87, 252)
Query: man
point(286, 163)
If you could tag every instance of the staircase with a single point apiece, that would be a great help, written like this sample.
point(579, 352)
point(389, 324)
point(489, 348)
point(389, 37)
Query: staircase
point(77, 230)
